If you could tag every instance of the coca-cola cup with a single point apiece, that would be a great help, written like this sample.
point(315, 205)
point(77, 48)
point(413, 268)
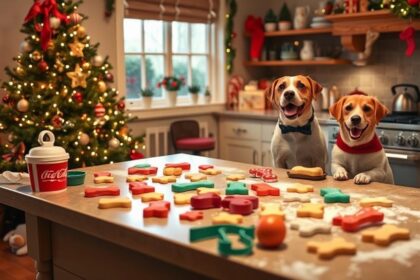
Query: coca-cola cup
point(47, 165)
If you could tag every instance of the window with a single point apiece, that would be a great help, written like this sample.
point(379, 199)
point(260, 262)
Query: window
point(154, 49)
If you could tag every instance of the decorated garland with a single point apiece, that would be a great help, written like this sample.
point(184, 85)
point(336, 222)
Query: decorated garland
point(407, 9)
point(230, 34)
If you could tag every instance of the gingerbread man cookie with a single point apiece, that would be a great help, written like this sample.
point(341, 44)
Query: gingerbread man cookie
point(182, 198)
point(376, 201)
point(312, 210)
point(195, 177)
point(208, 190)
point(300, 188)
point(164, 179)
point(332, 248)
point(309, 228)
point(136, 178)
point(226, 218)
point(235, 177)
point(271, 209)
point(172, 171)
point(151, 196)
point(296, 198)
point(385, 235)
point(103, 179)
point(210, 171)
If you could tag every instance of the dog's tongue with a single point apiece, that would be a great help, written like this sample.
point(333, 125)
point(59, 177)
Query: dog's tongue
point(290, 110)
point(355, 132)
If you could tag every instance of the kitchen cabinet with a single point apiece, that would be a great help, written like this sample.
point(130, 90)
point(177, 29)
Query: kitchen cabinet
point(246, 140)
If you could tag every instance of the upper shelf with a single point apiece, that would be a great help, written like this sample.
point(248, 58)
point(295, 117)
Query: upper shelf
point(297, 32)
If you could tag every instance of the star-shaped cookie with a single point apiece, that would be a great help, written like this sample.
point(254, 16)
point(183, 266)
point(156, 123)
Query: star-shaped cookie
point(78, 78)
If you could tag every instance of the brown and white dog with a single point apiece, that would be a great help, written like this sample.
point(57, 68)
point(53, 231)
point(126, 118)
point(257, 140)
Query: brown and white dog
point(297, 139)
point(358, 153)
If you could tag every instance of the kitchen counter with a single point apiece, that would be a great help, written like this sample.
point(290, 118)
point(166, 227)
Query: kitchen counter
point(72, 239)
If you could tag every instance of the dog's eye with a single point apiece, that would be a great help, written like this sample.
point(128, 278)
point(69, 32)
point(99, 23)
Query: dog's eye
point(348, 107)
point(367, 109)
point(282, 86)
point(300, 85)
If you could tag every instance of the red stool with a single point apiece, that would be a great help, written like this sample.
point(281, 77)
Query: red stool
point(186, 137)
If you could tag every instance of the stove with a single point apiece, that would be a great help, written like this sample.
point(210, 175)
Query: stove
point(406, 119)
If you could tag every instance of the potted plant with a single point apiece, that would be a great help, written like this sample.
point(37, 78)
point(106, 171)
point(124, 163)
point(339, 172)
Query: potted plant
point(172, 84)
point(147, 95)
point(194, 90)
point(285, 18)
point(270, 21)
point(207, 95)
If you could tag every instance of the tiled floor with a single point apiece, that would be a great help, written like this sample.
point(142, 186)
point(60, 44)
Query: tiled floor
point(13, 267)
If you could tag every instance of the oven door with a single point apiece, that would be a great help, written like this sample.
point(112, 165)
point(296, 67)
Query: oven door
point(405, 166)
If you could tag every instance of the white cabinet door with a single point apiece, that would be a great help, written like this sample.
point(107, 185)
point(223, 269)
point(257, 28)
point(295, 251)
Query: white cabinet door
point(246, 151)
point(266, 158)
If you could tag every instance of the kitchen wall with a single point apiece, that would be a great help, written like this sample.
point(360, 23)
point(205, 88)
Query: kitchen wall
point(388, 64)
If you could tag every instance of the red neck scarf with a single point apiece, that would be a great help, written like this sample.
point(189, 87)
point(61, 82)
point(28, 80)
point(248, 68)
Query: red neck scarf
point(372, 146)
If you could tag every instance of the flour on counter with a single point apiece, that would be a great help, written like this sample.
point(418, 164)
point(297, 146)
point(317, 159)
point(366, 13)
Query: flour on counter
point(302, 270)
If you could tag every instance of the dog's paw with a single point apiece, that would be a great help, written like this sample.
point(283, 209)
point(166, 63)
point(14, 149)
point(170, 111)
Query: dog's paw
point(362, 178)
point(340, 175)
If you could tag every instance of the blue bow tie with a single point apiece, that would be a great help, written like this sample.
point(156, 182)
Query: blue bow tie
point(306, 129)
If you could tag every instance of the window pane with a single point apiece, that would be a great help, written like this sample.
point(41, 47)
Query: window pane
point(154, 73)
point(180, 37)
point(199, 38)
point(180, 69)
point(132, 35)
point(153, 36)
point(133, 76)
point(199, 70)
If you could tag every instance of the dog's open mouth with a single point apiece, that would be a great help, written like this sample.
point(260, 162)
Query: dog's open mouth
point(355, 132)
point(292, 111)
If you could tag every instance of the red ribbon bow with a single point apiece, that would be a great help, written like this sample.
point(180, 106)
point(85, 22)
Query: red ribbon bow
point(48, 8)
point(407, 35)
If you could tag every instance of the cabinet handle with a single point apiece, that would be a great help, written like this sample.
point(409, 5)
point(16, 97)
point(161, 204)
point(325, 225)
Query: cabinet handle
point(262, 158)
point(239, 130)
point(254, 157)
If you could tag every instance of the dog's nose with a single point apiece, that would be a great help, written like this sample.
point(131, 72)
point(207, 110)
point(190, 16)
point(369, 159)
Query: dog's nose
point(355, 119)
point(289, 95)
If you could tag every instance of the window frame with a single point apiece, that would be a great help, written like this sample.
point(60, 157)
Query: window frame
point(168, 54)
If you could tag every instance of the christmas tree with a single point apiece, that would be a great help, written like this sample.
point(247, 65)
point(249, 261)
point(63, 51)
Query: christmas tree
point(60, 83)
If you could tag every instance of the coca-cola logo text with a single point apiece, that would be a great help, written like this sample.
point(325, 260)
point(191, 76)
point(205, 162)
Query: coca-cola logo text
point(54, 175)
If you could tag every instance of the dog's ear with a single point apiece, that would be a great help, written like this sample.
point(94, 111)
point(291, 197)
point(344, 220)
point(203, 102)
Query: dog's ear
point(380, 110)
point(315, 87)
point(270, 92)
point(336, 110)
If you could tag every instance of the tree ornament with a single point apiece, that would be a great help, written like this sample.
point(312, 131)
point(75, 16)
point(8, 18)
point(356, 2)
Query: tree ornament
point(59, 65)
point(98, 61)
point(113, 143)
point(25, 47)
point(99, 110)
point(121, 105)
point(76, 48)
point(77, 97)
point(84, 139)
point(78, 78)
point(42, 66)
point(75, 18)
point(6, 99)
point(36, 56)
point(86, 66)
point(57, 121)
point(109, 77)
point(123, 131)
point(64, 92)
point(54, 22)
point(101, 86)
point(20, 71)
point(22, 105)
point(50, 47)
point(81, 32)
point(11, 137)
point(413, 2)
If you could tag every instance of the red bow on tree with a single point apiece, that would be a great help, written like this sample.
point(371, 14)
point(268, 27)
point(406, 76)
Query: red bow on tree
point(48, 8)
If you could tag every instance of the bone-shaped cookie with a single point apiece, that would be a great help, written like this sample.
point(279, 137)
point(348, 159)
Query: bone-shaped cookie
point(226, 218)
point(206, 201)
point(195, 177)
point(142, 171)
point(142, 165)
point(164, 179)
point(300, 188)
point(172, 171)
point(263, 189)
point(151, 196)
point(296, 198)
point(182, 165)
point(271, 209)
point(332, 248)
point(208, 190)
point(102, 191)
point(235, 177)
point(114, 202)
point(332, 195)
point(103, 179)
point(376, 201)
point(312, 210)
point(184, 187)
point(191, 216)
point(157, 209)
point(101, 173)
point(182, 198)
point(385, 235)
point(365, 216)
point(210, 171)
point(309, 228)
point(205, 166)
point(140, 188)
point(136, 178)
point(236, 188)
point(240, 204)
